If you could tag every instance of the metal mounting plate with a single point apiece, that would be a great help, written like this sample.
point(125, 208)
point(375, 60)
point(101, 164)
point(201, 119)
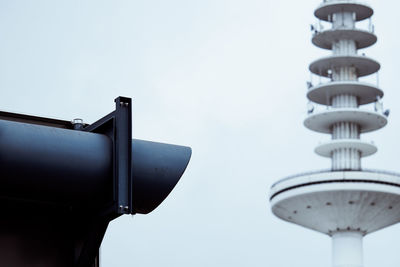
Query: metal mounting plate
point(118, 126)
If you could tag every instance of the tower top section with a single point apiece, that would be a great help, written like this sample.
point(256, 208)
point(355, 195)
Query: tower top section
point(340, 90)
point(329, 7)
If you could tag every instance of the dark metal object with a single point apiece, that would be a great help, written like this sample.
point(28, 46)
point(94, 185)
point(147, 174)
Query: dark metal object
point(156, 168)
point(77, 124)
point(118, 127)
point(54, 165)
point(60, 187)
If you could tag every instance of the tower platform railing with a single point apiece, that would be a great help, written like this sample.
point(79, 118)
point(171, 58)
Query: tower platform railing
point(302, 174)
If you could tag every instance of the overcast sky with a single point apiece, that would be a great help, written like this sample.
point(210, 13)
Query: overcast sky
point(225, 77)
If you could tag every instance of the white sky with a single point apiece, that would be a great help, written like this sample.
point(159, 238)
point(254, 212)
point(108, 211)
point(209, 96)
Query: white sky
point(226, 77)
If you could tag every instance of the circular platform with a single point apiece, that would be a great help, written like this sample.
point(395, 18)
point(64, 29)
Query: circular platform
point(365, 148)
point(364, 65)
point(323, 121)
point(362, 38)
point(328, 201)
point(363, 11)
point(366, 93)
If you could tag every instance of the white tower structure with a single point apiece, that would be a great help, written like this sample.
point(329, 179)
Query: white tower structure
point(345, 202)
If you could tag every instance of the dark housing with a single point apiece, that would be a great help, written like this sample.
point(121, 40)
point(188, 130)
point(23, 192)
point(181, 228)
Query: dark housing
point(62, 183)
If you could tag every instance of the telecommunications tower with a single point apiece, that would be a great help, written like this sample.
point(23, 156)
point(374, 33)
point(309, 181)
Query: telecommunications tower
point(345, 202)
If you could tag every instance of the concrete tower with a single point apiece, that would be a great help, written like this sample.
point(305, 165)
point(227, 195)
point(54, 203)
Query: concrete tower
point(345, 202)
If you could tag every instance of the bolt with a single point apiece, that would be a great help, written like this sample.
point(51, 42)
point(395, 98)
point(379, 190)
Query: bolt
point(126, 208)
point(74, 121)
point(77, 124)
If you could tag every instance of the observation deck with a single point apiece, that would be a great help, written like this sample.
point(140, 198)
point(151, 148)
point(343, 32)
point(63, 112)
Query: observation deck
point(365, 92)
point(331, 201)
point(364, 65)
point(327, 8)
point(365, 149)
point(324, 120)
point(326, 39)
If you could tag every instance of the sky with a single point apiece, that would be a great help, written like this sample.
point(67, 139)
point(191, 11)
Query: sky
point(225, 77)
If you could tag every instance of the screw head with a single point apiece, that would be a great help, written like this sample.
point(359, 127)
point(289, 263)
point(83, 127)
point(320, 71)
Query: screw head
point(77, 121)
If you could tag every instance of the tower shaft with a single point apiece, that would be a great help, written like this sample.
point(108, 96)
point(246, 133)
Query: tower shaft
point(344, 158)
point(347, 249)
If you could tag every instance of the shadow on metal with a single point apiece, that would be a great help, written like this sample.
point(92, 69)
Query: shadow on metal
point(61, 184)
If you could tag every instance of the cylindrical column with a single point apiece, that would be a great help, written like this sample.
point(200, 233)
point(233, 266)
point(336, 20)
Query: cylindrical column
point(345, 130)
point(347, 249)
point(344, 73)
point(346, 159)
point(344, 47)
point(75, 167)
point(343, 20)
point(344, 101)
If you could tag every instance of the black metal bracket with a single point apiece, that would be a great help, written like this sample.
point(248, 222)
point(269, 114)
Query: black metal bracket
point(118, 126)
point(85, 229)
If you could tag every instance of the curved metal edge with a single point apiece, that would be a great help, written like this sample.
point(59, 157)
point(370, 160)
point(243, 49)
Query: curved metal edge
point(351, 60)
point(363, 11)
point(362, 123)
point(366, 92)
point(363, 38)
point(333, 181)
point(366, 149)
point(329, 171)
point(156, 169)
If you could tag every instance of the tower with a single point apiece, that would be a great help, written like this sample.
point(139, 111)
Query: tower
point(346, 202)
